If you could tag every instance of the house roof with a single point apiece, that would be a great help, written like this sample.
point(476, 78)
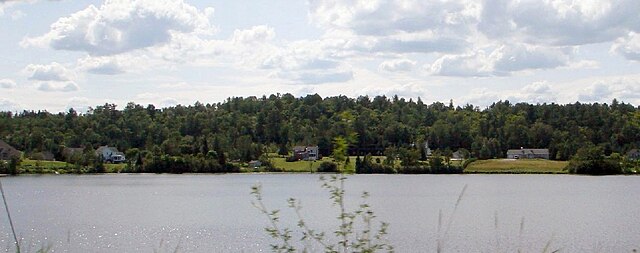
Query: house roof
point(112, 149)
point(633, 151)
point(302, 148)
point(8, 149)
point(535, 151)
point(72, 150)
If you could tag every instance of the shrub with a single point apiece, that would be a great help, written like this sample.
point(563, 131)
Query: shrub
point(291, 159)
point(328, 167)
point(467, 162)
point(417, 169)
point(590, 160)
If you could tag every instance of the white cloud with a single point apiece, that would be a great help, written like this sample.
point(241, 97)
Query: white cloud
point(559, 22)
point(79, 104)
point(177, 85)
point(7, 84)
point(121, 26)
point(210, 12)
point(257, 34)
point(400, 26)
point(503, 60)
point(57, 86)
point(101, 65)
point(511, 35)
point(168, 102)
point(308, 63)
point(595, 93)
point(153, 98)
point(537, 92)
point(410, 90)
point(397, 65)
point(523, 57)
point(52, 72)
point(17, 15)
point(8, 105)
point(366, 17)
point(469, 65)
point(481, 97)
point(534, 93)
point(628, 46)
point(624, 88)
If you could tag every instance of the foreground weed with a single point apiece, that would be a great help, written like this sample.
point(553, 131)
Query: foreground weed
point(350, 238)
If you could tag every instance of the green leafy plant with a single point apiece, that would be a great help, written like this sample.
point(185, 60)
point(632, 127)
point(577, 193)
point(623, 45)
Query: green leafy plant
point(355, 232)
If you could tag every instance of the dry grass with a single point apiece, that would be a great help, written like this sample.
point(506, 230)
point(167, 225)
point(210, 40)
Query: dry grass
point(517, 166)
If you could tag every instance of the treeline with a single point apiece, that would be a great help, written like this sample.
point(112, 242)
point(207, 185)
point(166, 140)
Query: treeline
point(245, 128)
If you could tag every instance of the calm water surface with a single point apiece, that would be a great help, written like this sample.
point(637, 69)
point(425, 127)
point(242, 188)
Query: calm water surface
point(213, 213)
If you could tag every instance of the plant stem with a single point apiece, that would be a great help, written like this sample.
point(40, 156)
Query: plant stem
point(6, 207)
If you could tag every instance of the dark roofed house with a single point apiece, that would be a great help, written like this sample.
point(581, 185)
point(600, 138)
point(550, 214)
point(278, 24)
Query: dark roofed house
point(633, 154)
point(43, 156)
point(306, 153)
point(7, 151)
point(528, 153)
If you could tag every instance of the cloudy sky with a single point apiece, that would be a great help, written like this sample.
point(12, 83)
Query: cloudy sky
point(60, 54)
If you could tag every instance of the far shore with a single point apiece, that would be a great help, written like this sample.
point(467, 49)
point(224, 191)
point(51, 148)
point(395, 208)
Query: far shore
point(490, 166)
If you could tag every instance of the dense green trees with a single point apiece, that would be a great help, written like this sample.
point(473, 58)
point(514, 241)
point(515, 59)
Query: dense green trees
point(245, 128)
point(591, 160)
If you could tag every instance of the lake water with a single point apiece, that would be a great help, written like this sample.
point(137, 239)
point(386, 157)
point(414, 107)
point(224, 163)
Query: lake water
point(213, 213)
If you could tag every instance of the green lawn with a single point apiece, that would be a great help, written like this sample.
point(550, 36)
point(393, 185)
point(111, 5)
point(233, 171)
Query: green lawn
point(37, 167)
point(47, 167)
point(114, 167)
point(517, 166)
point(309, 166)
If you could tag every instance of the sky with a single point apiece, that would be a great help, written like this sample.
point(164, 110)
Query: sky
point(56, 55)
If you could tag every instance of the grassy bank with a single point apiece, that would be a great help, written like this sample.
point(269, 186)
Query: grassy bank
point(308, 166)
point(507, 166)
point(29, 166)
point(524, 166)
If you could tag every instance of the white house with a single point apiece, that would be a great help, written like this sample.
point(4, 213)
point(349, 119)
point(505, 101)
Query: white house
point(427, 148)
point(110, 154)
point(528, 153)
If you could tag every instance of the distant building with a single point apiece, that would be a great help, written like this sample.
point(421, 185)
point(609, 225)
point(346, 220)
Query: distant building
point(110, 154)
point(427, 149)
point(255, 164)
point(43, 156)
point(306, 153)
point(7, 151)
point(528, 153)
point(633, 154)
point(458, 155)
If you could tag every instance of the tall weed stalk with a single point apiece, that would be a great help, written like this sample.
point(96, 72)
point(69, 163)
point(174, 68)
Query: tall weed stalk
point(354, 233)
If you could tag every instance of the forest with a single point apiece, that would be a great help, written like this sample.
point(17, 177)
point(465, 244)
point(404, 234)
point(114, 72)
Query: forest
point(243, 129)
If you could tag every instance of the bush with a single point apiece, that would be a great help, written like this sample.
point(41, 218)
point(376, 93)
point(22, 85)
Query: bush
point(366, 166)
point(467, 162)
point(291, 159)
point(590, 160)
point(595, 167)
point(328, 167)
point(415, 170)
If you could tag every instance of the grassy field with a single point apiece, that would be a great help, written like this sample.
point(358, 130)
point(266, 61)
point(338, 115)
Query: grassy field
point(517, 166)
point(34, 166)
point(309, 166)
point(48, 167)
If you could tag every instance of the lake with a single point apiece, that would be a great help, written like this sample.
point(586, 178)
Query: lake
point(213, 213)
